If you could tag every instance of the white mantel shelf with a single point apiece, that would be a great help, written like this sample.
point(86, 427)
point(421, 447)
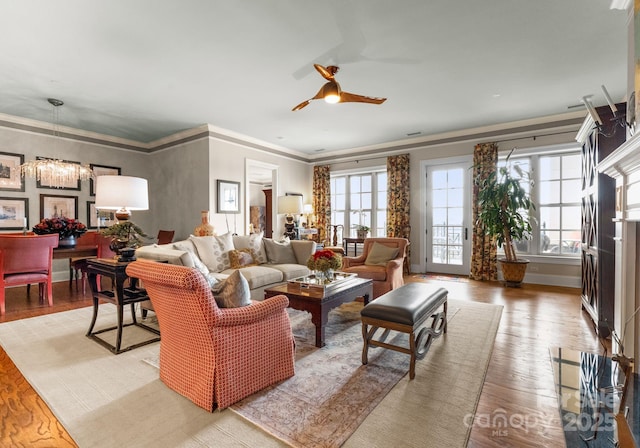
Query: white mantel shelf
point(624, 161)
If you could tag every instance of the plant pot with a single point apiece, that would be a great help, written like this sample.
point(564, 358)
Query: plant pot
point(362, 234)
point(68, 242)
point(513, 271)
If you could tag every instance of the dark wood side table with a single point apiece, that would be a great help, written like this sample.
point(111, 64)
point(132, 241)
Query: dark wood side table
point(354, 241)
point(123, 296)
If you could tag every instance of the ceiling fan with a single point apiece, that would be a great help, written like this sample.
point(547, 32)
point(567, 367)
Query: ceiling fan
point(332, 93)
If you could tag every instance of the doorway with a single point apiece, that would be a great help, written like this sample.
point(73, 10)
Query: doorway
point(261, 180)
point(448, 217)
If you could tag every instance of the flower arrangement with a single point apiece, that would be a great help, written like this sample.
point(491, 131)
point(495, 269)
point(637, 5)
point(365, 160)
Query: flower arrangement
point(324, 260)
point(65, 227)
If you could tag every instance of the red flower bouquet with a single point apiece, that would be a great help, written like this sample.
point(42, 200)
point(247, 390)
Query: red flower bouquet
point(65, 227)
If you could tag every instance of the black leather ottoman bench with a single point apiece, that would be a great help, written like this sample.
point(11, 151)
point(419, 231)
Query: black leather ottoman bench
point(406, 309)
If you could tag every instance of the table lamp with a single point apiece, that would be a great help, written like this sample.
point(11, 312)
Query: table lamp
point(121, 193)
point(289, 206)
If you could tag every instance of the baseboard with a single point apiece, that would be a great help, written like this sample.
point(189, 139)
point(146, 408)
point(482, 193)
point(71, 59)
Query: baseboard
point(551, 280)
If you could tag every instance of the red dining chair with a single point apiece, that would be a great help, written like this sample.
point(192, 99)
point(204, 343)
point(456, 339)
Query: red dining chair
point(165, 236)
point(103, 251)
point(26, 259)
point(89, 239)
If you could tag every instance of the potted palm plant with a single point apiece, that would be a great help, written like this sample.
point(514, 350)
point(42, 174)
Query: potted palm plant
point(504, 206)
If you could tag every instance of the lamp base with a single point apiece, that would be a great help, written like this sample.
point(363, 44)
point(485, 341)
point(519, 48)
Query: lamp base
point(123, 214)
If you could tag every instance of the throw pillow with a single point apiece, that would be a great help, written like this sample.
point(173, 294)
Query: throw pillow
point(197, 263)
point(279, 253)
point(380, 254)
point(232, 292)
point(242, 258)
point(214, 250)
point(253, 241)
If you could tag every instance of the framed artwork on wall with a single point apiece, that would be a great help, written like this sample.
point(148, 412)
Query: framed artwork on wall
point(101, 170)
point(10, 178)
point(97, 219)
point(14, 213)
point(52, 206)
point(68, 185)
point(228, 196)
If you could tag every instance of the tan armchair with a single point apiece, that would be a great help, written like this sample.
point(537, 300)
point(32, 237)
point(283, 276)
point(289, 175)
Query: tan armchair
point(215, 356)
point(385, 278)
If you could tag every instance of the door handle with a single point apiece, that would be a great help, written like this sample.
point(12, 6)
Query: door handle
point(466, 235)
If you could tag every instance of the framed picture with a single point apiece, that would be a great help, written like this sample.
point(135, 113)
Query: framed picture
point(69, 185)
point(101, 170)
point(52, 205)
point(10, 178)
point(14, 213)
point(97, 219)
point(228, 196)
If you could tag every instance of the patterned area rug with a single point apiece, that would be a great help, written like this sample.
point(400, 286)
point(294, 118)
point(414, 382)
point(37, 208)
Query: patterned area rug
point(331, 392)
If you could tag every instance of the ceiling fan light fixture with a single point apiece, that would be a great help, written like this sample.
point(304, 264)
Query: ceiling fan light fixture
point(331, 92)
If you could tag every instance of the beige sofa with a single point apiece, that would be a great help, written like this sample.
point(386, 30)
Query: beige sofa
point(274, 262)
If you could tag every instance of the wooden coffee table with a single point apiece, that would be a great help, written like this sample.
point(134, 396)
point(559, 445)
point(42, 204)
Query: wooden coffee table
point(319, 303)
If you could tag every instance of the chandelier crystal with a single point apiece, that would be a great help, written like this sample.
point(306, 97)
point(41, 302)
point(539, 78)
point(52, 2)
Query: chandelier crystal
point(54, 172)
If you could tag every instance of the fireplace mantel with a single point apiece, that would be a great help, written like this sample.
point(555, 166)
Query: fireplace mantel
point(623, 165)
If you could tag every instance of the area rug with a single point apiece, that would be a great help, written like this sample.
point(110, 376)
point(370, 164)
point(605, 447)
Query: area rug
point(95, 393)
point(446, 278)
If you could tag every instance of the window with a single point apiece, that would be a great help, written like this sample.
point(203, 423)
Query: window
point(359, 199)
point(556, 194)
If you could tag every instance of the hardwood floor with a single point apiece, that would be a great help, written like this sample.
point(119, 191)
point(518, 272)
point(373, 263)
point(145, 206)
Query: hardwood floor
point(518, 385)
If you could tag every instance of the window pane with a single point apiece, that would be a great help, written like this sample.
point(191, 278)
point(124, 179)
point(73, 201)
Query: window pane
point(549, 168)
point(438, 199)
point(571, 190)
point(549, 192)
point(456, 216)
point(456, 178)
point(571, 217)
point(366, 183)
point(340, 184)
point(340, 203)
point(439, 179)
point(354, 184)
point(355, 202)
point(366, 200)
point(550, 217)
point(439, 216)
point(572, 166)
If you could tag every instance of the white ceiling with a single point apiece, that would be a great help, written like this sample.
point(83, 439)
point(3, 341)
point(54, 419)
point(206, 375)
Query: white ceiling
point(146, 69)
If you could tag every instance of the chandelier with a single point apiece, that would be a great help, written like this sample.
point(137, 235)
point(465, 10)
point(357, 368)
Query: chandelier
point(54, 172)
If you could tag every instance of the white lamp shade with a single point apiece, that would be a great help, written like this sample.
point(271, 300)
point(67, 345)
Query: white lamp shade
point(289, 205)
point(308, 209)
point(117, 192)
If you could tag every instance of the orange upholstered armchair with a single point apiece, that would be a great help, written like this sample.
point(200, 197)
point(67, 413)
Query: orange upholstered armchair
point(386, 275)
point(215, 356)
point(26, 259)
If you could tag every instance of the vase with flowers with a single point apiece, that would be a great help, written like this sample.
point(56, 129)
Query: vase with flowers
point(324, 263)
point(68, 229)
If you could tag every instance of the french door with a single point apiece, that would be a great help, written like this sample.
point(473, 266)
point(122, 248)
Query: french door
point(448, 216)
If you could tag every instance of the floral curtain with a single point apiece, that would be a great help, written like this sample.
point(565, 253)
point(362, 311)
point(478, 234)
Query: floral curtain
point(398, 210)
point(322, 201)
point(483, 250)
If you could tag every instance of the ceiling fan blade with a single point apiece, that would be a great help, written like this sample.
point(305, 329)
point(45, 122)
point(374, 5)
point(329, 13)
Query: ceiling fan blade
point(318, 96)
point(326, 72)
point(346, 97)
point(301, 105)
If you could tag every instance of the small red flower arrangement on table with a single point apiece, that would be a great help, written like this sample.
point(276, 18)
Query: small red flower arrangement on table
point(324, 260)
point(64, 227)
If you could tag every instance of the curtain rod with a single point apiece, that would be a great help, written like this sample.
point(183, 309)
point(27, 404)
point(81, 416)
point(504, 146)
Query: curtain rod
point(535, 136)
